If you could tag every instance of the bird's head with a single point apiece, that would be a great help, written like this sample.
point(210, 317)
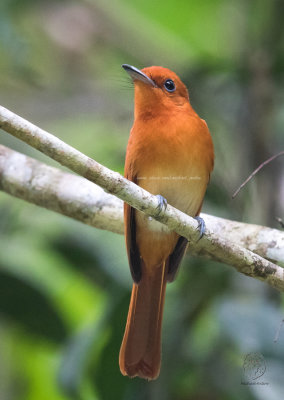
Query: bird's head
point(157, 89)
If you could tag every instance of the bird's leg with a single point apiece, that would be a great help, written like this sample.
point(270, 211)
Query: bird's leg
point(201, 226)
point(162, 203)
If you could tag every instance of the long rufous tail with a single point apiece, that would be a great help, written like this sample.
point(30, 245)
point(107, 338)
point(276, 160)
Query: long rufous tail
point(140, 352)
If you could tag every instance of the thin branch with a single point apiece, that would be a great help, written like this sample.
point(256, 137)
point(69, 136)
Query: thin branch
point(227, 252)
point(76, 197)
point(256, 171)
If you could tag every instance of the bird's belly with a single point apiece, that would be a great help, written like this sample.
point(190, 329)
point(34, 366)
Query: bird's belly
point(183, 188)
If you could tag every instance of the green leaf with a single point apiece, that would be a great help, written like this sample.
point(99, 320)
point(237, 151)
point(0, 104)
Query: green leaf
point(26, 305)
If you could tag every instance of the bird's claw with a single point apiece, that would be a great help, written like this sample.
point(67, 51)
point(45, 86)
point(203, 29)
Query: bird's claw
point(201, 226)
point(162, 203)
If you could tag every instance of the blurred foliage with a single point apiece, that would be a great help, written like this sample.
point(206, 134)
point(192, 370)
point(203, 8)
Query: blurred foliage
point(65, 287)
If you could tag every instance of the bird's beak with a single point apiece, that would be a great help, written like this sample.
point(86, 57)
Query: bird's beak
point(138, 75)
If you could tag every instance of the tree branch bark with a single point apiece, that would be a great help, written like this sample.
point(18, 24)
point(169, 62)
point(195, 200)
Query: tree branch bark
point(215, 245)
point(64, 193)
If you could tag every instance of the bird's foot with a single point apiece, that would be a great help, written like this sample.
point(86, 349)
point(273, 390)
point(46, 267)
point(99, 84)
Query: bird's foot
point(162, 203)
point(201, 226)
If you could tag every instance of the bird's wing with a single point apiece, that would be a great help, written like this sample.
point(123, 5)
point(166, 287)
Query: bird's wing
point(130, 237)
point(175, 258)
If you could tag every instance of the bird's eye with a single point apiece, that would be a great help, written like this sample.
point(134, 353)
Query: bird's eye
point(170, 85)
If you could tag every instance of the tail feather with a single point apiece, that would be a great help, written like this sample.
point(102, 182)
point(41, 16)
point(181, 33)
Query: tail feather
point(140, 352)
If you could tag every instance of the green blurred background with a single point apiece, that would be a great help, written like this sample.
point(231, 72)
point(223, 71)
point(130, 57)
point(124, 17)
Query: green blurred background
point(65, 287)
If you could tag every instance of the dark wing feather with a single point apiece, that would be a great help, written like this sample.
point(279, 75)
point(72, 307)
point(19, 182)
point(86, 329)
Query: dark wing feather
point(175, 258)
point(130, 237)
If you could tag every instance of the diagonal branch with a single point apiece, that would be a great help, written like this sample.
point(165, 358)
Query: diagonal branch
point(243, 260)
point(76, 197)
point(256, 171)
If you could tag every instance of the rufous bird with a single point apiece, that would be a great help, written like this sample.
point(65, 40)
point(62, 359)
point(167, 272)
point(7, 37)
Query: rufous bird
point(169, 154)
